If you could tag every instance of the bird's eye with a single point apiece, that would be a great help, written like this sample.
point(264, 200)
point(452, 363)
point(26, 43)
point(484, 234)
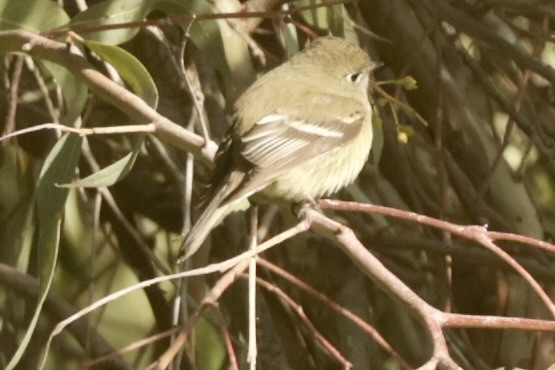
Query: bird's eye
point(354, 77)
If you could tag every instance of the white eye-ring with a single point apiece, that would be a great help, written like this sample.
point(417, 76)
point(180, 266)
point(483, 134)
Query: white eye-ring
point(354, 77)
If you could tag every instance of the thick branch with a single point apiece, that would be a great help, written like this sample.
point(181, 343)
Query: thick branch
point(71, 58)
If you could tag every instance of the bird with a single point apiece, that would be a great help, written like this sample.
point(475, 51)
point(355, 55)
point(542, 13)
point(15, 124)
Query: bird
point(300, 132)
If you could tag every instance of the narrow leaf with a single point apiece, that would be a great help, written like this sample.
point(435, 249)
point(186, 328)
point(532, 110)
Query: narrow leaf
point(31, 15)
point(113, 173)
point(206, 35)
point(130, 69)
point(113, 12)
point(58, 167)
point(74, 91)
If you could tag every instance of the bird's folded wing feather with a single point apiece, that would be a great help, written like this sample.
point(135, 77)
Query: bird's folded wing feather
point(278, 142)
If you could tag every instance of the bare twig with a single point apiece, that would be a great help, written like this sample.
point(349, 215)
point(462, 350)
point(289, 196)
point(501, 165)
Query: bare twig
point(298, 309)
point(131, 347)
point(14, 90)
point(216, 267)
point(253, 349)
point(148, 128)
point(477, 233)
point(363, 325)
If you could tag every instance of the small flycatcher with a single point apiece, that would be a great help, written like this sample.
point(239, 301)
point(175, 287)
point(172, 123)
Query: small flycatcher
point(302, 131)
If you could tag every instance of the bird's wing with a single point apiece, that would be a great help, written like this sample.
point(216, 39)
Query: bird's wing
point(278, 142)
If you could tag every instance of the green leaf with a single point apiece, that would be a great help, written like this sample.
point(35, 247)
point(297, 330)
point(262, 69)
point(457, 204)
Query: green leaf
point(378, 140)
point(31, 15)
point(130, 69)
point(336, 19)
point(74, 91)
point(113, 173)
point(17, 200)
point(38, 16)
point(205, 34)
point(113, 12)
point(210, 352)
point(58, 167)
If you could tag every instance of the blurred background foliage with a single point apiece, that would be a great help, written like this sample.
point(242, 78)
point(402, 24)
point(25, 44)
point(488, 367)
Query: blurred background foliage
point(472, 143)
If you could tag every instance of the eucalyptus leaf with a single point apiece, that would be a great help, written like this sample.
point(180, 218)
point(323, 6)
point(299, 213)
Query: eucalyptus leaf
point(205, 34)
point(31, 15)
point(112, 12)
point(130, 69)
point(336, 19)
point(16, 197)
point(74, 91)
point(58, 167)
point(113, 173)
point(210, 352)
point(378, 139)
point(38, 16)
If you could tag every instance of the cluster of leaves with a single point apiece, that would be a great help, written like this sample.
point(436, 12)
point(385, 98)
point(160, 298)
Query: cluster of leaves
point(82, 216)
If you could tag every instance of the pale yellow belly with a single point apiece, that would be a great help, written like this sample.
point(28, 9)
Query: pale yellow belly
point(325, 174)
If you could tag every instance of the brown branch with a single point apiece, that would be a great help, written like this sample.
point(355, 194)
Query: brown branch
point(240, 264)
point(385, 279)
point(221, 266)
point(13, 94)
point(363, 325)
point(71, 58)
point(298, 309)
point(477, 233)
point(131, 347)
point(455, 320)
point(263, 6)
point(433, 319)
point(210, 300)
point(227, 340)
point(460, 230)
point(186, 18)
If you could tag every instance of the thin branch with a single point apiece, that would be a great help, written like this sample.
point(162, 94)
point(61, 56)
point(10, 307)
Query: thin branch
point(363, 325)
point(227, 340)
point(72, 59)
point(385, 279)
point(461, 230)
point(472, 232)
point(252, 353)
point(118, 214)
point(13, 94)
point(54, 115)
point(148, 128)
point(186, 18)
point(216, 267)
point(455, 320)
point(298, 309)
point(131, 347)
point(209, 300)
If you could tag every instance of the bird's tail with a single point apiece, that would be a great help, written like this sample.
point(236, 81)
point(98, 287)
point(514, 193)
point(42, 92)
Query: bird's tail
point(211, 216)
